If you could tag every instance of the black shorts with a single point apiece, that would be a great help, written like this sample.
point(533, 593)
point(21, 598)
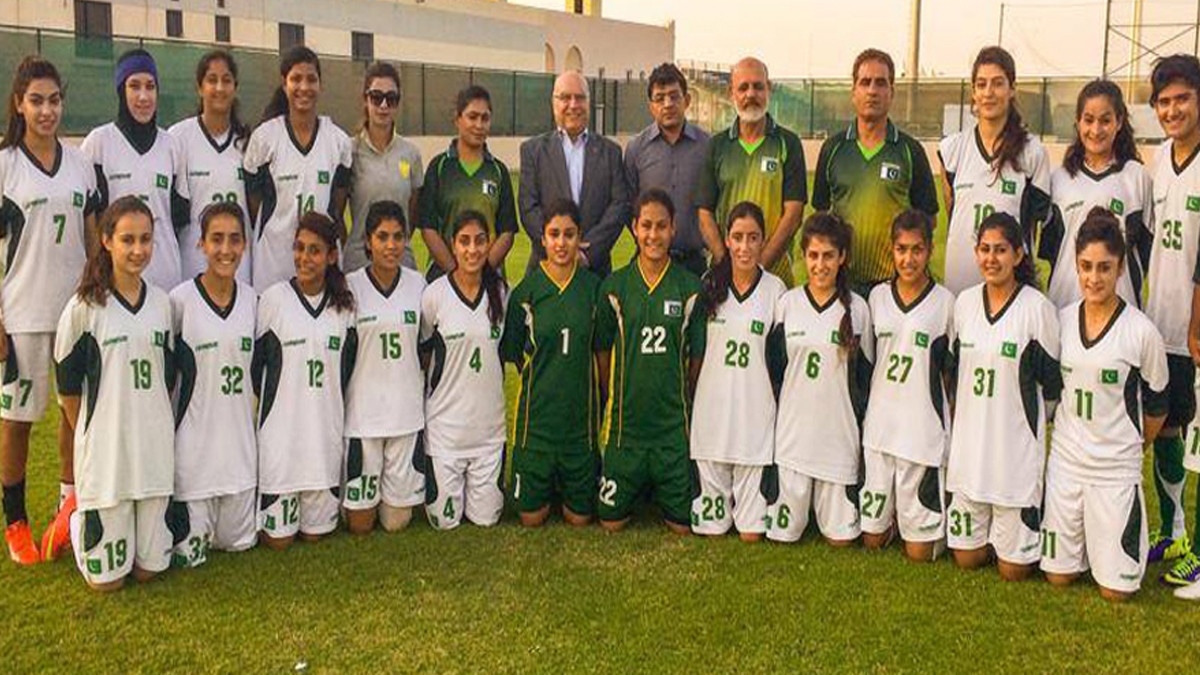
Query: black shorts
point(1181, 392)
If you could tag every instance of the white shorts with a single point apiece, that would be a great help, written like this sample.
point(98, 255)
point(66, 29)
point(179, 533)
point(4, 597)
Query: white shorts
point(729, 495)
point(26, 388)
point(312, 512)
point(1098, 526)
point(226, 523)
point(787, 515)
point(895, 491)
point(109, 542)
point(457, 486)
point(1013, 532)
point(391, 470)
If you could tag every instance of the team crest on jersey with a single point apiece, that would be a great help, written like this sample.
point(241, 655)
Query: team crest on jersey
point(160, 338)
point(335, 342)
point(77, 199)
point(1193, 203)
point(1008, 187)
point(495, 332)
point(6, 402)
point(1117, 207)
point(757, 327)
point(405, 169)
point(1108, 376)
point(410, 316)
point(1009, 349)
point(770, 164)
point(889, 172)
point(247, 344)
point(672, 308)
point(323, 177)
point(490, 188)
point(160, 181)
point(836, 337)
point(921, 339)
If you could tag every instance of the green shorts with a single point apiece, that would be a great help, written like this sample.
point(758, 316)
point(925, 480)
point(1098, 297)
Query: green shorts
point(664, 472)
point(538, 475)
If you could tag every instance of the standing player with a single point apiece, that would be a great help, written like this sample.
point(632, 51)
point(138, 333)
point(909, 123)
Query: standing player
point(907, 429)
point(385, 404)
point(825, 347)
point(114, 374)
point(47, 214)
point(462, 319)
point(297, 162)
point(548, 336)
point(1101, 168)
point(1114, 370)
point(216, 457)
point(210, 147)
point(650, 338)
point(994, 167)
point(1175, 95)
point(303, 358)
point(1006, 353)
point(733, 433)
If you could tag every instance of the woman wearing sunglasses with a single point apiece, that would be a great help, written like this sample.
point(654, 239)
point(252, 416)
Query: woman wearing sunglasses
point(386, 166)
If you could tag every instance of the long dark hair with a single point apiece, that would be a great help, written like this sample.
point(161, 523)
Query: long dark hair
point(720, 277)
point(1124, 147)
point(335, 280)
point(493, 283)
point(835, 230)
point(915, 220)
point(380, 212)
point(96, 282)
point(1025, 272)
point(31, 68)
point(1013, 137)
point(241, 132)
point(374, 71)
point(278, 105)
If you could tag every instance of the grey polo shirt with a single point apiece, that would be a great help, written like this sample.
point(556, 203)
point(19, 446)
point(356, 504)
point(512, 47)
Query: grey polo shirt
point(650, 161)
point(394, 173)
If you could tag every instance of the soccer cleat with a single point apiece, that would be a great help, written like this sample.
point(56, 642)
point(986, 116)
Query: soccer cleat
point(1166, 548)
point(21, 548)
point(1189, 592)
point(58, 535)
point(1185, 572)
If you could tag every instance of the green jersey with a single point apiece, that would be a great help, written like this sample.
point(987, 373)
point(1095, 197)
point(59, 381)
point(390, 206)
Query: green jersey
point(548, 334)
point(868, 189)
point(768, 173)
point(652, 328)
point(452, 186)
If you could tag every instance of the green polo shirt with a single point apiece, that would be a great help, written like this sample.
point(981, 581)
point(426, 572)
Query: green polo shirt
point(769, 173)
point(868, 189)
point(451, 188)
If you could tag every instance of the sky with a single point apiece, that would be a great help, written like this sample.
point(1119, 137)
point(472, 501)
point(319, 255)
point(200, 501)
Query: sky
point(819, 38)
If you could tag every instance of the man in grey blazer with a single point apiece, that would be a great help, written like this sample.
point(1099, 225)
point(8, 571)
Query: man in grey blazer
point(573, 163)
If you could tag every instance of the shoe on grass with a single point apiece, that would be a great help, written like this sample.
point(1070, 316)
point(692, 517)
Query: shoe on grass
point(1185, 572)
point(1165, 548)
point(21, 548)
point(58, 535)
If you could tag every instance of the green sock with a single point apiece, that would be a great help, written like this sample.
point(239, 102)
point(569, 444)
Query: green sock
point(1169, 478)
point(1196, 519)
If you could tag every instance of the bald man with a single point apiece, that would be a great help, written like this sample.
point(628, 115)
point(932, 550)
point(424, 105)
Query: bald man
point(574, 163)
point(754, 160)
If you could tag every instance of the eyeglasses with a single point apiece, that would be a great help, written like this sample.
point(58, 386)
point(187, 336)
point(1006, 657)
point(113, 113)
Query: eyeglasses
point(378, 98)
point(669, 97)
point(571, 98)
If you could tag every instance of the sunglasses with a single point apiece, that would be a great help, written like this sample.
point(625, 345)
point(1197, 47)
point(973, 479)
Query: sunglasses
point(378, 98)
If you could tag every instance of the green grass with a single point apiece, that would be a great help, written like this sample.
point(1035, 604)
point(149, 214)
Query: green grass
point(565, 600)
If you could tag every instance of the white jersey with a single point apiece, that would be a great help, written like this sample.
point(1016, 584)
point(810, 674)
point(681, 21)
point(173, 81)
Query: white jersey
point(1124, 191)
point(1108, 384)
point(291, 181)
point(215, 450)
point(733, 416)
point(151, 177)
point(115, 357)
point(1007, 365)
point(42, 228)
point(909, 415)
point(978, 192)
point(212, 168)
point(819, 384)
point(1176, 240)
point(464, 400)
point(386, 397)
point(303, 359)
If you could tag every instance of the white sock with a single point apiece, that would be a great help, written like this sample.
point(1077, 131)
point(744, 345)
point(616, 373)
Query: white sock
point(65, 490)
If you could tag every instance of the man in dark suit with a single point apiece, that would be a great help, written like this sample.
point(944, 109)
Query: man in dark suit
point(573, 163)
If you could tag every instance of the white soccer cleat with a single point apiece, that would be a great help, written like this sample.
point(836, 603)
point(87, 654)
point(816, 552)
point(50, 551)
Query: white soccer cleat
point(1191, 592)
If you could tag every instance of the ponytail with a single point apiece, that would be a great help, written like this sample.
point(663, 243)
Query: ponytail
point(96, 282)
point(336, 287)
point(715, 290)
point(837, 232)
point(1013, 137)
point(278, 105)
point(1025, 272)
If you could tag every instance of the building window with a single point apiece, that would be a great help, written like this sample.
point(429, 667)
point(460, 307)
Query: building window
point(222, 28)
point(220, 4)
point(93, 19)
point(290, 35)
point(579, 6)
point(174, 23)
point(362, 46)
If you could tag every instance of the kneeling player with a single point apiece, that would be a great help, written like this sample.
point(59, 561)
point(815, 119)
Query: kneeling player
point(824, 345)
point(1114, 369)
point(733, 430)
point(113, 374)
point(216, 456)
point(651, 335)
point(385, 403)
point(548, 336)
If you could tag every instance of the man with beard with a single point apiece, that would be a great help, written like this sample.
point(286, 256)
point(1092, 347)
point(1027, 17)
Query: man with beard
point(755, 160)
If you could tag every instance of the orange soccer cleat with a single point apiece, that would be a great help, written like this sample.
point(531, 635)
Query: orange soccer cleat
point(58, 535)
point(20, 543)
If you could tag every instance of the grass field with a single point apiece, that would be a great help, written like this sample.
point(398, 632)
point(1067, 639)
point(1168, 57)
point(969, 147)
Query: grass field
point(565, 600)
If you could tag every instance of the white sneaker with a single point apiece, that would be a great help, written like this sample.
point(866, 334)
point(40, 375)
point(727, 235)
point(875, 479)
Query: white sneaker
point(1191, 592)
